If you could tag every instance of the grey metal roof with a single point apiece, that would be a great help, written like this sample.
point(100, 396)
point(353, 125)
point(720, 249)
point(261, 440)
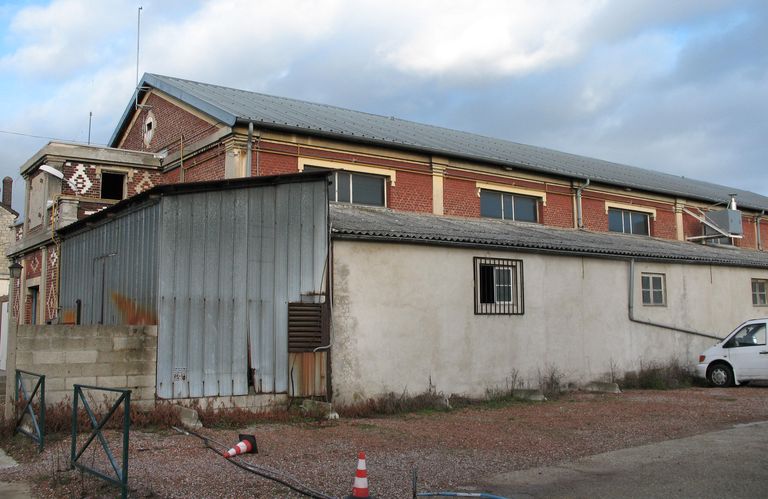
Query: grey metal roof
point(381, 224)
point(230, 106)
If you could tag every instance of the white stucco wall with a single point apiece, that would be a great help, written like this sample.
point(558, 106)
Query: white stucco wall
point(404, 315)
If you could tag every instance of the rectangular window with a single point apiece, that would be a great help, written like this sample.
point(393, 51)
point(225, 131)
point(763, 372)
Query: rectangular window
point(498, 286)
point(112, 185)
point(355, 188)
point(34, 294)
point(496, 204)
point(628, 222)
point(759, 295)
point(654, 292)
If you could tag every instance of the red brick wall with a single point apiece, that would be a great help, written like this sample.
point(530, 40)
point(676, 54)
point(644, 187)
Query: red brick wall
point(274, 164)
point(664, 226)
point(412, 192)
point(750, 234)
point(691, 226)
point(171, 122)
point(209, 165)
point(593, 213)
point(764, 234)
point(460, 198)
point(558, 212)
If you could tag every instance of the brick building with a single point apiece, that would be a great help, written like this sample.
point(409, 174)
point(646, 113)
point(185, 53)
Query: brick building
point(493, 203)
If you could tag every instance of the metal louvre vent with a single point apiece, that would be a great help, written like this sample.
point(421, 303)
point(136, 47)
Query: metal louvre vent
point(307, 326)
point(498, 286)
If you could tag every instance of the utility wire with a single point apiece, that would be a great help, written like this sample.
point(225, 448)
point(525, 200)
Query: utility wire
point(274, 475)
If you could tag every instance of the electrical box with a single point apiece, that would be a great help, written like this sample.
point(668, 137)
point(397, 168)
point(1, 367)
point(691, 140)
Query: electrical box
point(726, 220)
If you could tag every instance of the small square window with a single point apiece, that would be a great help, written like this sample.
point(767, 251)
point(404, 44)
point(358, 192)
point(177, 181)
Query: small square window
point(112, 185)
point(498, 286)
point(759, 292)
point(654, 289)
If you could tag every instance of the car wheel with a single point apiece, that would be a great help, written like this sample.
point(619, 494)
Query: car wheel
point(720, 375)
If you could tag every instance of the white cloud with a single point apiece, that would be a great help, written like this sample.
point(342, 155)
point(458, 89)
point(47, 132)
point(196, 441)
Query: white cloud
point(65, 36)
point(491, 38)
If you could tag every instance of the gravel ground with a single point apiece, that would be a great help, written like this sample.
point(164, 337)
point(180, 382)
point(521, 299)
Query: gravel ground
point(450, 450)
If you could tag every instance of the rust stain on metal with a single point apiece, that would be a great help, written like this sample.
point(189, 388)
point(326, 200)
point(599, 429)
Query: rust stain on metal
point(68, 316)
point(131, 312)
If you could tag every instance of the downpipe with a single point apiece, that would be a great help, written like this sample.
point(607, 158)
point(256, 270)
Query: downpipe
point(631, 310)
point(579, 218)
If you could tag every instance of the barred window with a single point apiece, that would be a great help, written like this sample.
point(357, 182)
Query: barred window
point(498, 286)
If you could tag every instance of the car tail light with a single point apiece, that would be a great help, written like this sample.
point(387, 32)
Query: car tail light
point(702, 357)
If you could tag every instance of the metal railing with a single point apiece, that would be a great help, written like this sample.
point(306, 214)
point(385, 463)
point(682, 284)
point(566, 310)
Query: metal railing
point(120, 476)
point(22, 396)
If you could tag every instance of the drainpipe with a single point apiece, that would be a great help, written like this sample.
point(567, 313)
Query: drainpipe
point(579, 221)
point(631, 309)
point(250, 150)
point(759, 239)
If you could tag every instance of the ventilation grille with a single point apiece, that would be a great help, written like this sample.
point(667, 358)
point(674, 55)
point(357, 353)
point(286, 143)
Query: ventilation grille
point(307, 326)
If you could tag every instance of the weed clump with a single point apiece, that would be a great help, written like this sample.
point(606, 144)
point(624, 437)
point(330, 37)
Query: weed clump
point(658, 376)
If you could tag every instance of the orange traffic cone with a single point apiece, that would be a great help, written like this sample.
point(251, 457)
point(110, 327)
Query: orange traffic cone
point(247, 445)
point(360, 487)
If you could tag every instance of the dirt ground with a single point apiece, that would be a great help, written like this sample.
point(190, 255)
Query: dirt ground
point(450, 450)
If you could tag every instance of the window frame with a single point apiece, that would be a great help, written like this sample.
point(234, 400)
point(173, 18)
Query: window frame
point(512, 196)
point(334, 172)
point(113, 172)
point(516, 303)
point(757, 294)
point(624, 212)
point(651, 289)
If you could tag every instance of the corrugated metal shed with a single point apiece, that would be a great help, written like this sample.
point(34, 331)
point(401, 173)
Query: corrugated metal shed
point(113, 268)
point(381, 224)
point(214, 265)
point(230, 106)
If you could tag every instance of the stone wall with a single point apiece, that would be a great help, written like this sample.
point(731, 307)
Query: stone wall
point(105, 356)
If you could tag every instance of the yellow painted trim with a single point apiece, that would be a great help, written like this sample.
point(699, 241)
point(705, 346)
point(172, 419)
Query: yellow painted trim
point(630, 207)
point(352, 167)
point(512, 190)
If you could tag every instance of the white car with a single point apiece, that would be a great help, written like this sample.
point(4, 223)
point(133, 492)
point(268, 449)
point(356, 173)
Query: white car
point(738, 359)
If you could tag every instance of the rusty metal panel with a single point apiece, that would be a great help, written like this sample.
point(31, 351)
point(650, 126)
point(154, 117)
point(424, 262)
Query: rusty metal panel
point(112, 268)
point(308, 374)
point(231, 261)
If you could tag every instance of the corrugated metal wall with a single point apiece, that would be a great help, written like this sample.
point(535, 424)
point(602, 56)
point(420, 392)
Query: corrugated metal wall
point(230, 261)
point(112, 269)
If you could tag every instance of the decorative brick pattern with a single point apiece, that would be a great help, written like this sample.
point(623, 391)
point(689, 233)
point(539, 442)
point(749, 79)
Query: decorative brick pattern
point(51, 280)
point(33, 263)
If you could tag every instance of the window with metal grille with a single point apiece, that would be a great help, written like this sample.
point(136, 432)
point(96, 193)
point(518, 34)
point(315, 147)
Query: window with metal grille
point(628, 222)
point(498, 286)
point(307, 326)
point(760, 292)
point(496, 204)
point(654, 289)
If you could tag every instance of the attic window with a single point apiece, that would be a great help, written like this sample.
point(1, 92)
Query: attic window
point(149, 128)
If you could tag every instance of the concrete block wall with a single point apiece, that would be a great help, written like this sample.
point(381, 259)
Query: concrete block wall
point(106, 356)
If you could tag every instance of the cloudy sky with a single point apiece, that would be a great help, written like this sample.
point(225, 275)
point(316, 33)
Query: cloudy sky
point(679, 86)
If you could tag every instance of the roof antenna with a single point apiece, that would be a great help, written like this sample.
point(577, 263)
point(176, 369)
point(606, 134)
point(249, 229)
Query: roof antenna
point(90, 118)
point(138, 38)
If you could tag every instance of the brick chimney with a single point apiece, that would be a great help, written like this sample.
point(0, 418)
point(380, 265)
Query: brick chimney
point(7, 192)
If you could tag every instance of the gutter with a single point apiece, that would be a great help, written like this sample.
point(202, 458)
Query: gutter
point(579, 220)
point(250, 150)
point(631, 307)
